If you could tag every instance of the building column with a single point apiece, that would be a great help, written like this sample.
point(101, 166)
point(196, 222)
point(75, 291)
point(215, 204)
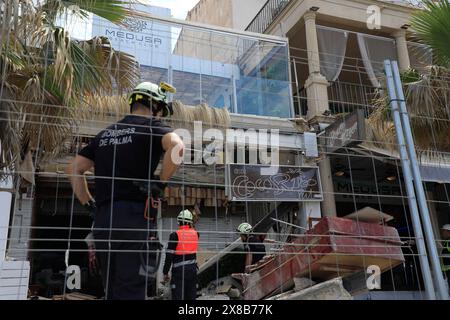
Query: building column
point(328, 204)
point(312, 44)
point(402, 50)
point(316, 85)
point(307, 209)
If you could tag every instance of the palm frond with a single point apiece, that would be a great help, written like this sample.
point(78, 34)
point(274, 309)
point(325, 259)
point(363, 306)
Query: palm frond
point(88, 67)
point(106, 105)
point(49, 78)
point(112, 10)
point(10, 59)
point(121, 67)
point(432, 27)
point(428, 98)
point(9, 137)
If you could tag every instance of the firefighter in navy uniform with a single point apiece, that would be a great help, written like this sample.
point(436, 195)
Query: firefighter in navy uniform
point(253, 244)
point(181, 254)
point(446, 252)
point(123, 154)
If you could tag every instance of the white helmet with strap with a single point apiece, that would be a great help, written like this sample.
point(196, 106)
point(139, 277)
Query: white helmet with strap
point(146, 92)
point(185, 216)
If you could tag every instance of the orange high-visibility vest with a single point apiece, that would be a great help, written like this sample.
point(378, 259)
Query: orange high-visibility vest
point(187, 241)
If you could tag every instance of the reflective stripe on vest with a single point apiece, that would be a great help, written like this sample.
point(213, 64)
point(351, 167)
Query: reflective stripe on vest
point(184, 263)
point(187, 241)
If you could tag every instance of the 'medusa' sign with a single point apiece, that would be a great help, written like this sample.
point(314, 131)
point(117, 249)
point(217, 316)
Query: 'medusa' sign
point(132, 38)
point(148, 41)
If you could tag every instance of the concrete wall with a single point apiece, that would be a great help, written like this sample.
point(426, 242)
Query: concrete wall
point(203, 44)
point(397, 295)
point(245, 11)
point(236, 14)
point(214, 12)
point(345, 12)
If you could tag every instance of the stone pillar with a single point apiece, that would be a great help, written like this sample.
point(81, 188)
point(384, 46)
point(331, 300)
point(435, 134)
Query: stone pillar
point(312, 44)
point(302, 219)
point(328, 204)
point(316, 85)
point(308, 209)
point(402, 50)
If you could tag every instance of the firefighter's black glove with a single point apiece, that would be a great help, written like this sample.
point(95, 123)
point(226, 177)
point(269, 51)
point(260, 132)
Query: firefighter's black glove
point(91, 207)
point(157, 190)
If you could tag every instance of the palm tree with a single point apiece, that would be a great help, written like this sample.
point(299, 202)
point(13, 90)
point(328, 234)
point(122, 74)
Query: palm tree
point(428, 92)
point(432, 27)
point(48, 78)
point(428, 101)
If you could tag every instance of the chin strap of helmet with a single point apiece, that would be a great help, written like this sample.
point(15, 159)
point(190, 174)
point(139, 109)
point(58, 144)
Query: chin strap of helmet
point(155, 107)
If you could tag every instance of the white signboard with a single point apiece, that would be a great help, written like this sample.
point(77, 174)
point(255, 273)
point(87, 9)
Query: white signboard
point(148, 41)
point(289, 184)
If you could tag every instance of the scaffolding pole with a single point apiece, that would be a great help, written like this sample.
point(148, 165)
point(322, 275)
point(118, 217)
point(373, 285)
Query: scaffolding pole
point(417, 178)
point(426, 272)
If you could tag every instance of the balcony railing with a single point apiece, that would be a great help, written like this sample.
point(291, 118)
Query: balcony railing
point(343, 97)
point(347, 97)
point(268, 13)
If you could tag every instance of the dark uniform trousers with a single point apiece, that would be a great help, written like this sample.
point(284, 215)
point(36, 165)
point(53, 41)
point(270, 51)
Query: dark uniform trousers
point(120, 259)
point(184, 282)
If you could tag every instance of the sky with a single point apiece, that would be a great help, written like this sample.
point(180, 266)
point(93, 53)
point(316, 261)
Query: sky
point(179, 8)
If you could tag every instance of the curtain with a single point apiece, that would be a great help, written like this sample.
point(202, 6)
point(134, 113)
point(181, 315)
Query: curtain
point(420, 56)
point(332, 48)
point(374, 50)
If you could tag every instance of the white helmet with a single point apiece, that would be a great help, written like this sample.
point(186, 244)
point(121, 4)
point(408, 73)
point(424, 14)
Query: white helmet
point(148, 91)
point(244, 228)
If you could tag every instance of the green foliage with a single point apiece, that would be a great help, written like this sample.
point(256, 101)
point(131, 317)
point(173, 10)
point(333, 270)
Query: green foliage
point(48, 78)
point(432, 26)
